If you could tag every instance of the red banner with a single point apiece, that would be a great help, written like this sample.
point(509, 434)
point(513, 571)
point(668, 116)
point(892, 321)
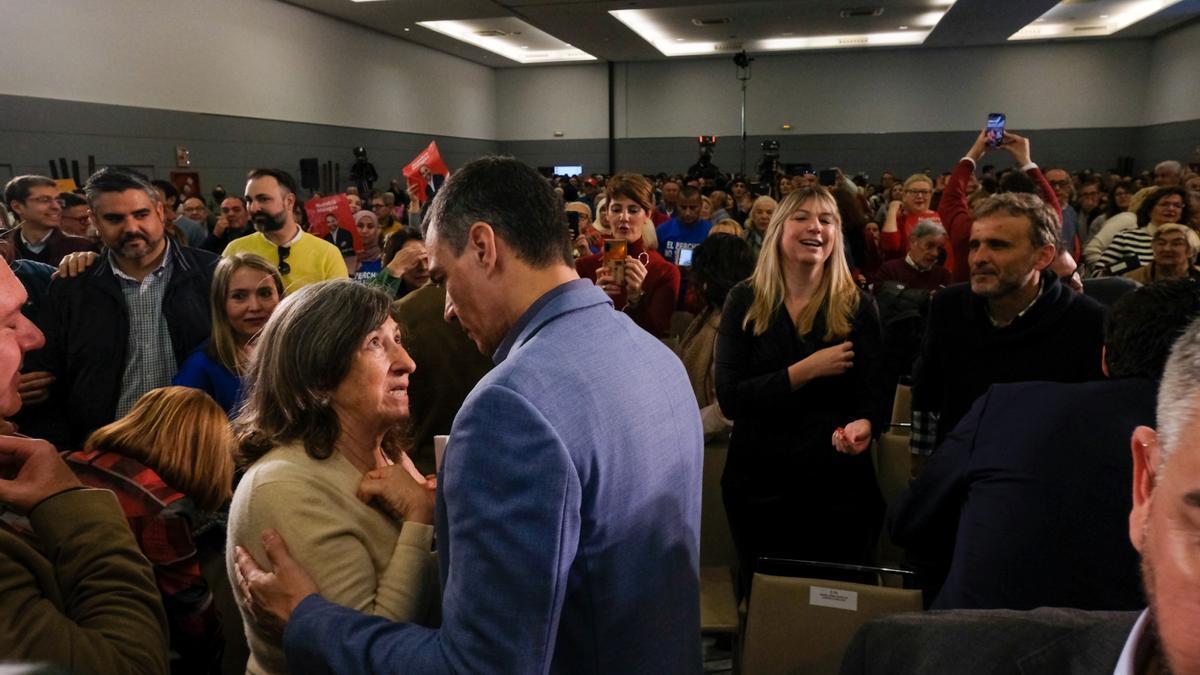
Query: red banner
point(327, 213)
point(428, 172)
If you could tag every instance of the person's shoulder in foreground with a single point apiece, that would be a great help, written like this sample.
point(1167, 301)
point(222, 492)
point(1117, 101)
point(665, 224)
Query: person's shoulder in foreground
point(1046, 640)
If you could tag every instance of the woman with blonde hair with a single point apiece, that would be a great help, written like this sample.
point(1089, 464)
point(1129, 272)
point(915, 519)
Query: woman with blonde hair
point(903, 215)
point(245, 290)
point(650, 286)
point(169, 460)
point(798, 370)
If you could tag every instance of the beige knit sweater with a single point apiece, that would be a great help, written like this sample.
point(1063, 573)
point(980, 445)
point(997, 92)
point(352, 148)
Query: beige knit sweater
point(358, 557)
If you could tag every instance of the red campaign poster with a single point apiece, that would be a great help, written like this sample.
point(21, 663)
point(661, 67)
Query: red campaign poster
point(326, 213)
point(428, 172)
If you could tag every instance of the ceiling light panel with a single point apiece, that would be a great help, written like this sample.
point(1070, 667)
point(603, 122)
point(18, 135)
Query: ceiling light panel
point(1098, 18)
point(511, 38)
point(763, 27)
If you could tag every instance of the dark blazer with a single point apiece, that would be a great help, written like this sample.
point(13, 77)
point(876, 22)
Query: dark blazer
point(58, 244)
point(86, 324)
point(448, 367)
point(1045, 641)
point(1041, 475)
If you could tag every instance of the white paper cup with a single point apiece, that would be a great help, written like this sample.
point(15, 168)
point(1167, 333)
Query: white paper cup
point(439, 450)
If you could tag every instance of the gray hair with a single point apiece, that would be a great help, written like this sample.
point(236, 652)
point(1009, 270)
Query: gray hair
point(927, 227)
point(1178, 392)
point(117, 179)
point(306, 350)
point(1171, 165)
point(1045, 223)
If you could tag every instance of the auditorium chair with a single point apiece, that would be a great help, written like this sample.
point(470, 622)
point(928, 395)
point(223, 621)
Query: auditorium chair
point(803, 614)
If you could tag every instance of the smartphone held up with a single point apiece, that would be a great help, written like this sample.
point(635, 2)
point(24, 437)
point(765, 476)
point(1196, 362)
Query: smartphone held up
point(995, 129)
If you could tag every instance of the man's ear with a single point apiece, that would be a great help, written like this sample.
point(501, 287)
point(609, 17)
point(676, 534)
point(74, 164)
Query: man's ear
point(1146, 457)
point(1104, 361)
point(1045, 257)
point(481, 244)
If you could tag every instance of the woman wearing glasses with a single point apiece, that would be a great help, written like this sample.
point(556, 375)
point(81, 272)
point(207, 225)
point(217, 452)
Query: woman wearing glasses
point(650, 285)
point(904, 214)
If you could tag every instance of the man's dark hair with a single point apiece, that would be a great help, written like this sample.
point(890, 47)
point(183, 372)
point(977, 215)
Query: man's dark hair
point(170, 192)
point(117, 179)
point(514, 199)
point(18, 189)
point(70, 200)
point(1017, 181)
point(1142, 326)
point(690, 192)
point(282, 177)
point(1148, 204)
point(719, 263)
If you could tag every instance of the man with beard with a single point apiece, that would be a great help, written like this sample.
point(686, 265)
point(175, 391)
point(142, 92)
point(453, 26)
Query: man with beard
point(1164, 526)
point(1015, 322)
point(123, 326)
point(302, 258)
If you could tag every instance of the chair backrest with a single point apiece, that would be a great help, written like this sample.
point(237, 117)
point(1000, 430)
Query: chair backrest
point(803, 625)
point(716, 542)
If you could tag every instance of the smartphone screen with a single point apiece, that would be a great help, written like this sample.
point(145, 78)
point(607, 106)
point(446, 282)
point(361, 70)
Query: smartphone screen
point(573, 223)
point(827, 177)
point(995, 129)
point(615, 249)
point(685, 257)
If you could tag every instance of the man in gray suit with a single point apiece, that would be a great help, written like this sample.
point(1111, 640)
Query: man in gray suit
point(1164, 526)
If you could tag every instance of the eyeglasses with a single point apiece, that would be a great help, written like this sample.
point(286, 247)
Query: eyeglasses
point(284, 268)
point(1171, 205)
point(919, 193)
point(1059, 183)
point(46, 199)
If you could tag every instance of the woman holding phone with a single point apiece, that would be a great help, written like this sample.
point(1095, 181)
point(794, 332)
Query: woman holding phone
point(798, 371)
point(647, 287)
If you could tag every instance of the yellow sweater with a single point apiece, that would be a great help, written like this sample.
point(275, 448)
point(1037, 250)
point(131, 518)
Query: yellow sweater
point(358, 557)
point(311, 259)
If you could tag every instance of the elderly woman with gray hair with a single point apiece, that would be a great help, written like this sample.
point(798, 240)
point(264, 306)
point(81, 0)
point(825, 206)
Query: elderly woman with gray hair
point(1174, 248)
point(320, 434)
point(920, 267)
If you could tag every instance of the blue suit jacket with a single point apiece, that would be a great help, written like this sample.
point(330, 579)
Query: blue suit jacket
point(568, 515)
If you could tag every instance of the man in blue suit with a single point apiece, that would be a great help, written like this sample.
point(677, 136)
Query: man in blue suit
point(568, 501)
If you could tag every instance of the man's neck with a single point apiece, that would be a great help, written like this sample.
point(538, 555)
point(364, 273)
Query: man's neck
point(284, 234)
point(1005, 309)
point(1163, 272)
point(139, 268)
point(34, 233)
point(532, 284)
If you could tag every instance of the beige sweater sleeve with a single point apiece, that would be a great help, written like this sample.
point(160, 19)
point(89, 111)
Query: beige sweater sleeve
point(330, 535)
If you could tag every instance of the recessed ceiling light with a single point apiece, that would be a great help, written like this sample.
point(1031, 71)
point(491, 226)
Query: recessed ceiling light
point(1061, 22)
point(407, 30)
point(903, 27)
point(491, 34)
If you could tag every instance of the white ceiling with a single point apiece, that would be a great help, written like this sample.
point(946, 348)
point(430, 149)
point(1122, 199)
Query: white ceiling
point(588, 26)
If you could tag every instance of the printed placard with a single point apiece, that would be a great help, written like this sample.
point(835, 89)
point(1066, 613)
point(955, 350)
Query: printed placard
point(833, 597)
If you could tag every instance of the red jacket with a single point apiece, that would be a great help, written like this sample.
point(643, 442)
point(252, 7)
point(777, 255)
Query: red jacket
point(956, 214)
point(660, 290)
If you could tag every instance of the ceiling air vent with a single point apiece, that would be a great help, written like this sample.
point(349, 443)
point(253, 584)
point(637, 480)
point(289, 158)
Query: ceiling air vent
point(860, 12)
point(727, 47)
point(850, 41)
point(712, 21)
point(1080, 29)
point(491, 33)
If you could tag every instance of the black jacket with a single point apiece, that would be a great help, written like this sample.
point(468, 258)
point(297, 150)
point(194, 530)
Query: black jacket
point(1031, 493)
point(86, 325)
point(1059, 339)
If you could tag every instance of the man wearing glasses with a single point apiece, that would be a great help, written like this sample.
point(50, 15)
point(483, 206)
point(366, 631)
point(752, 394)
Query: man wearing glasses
point(302, 258)
point(76, 216)
point(37, 235)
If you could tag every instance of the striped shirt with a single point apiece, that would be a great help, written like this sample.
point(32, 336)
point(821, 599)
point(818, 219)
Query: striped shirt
point(149, 356)
point(1128, 251)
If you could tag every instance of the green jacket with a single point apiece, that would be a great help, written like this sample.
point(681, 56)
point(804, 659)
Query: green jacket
point(85, 598)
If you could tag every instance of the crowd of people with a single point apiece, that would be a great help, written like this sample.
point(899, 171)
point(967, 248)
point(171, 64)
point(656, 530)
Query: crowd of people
point(277, 401)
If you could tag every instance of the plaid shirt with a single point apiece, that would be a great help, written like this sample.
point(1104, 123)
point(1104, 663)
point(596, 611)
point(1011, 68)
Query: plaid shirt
point(161, 519)
point(150, 358)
